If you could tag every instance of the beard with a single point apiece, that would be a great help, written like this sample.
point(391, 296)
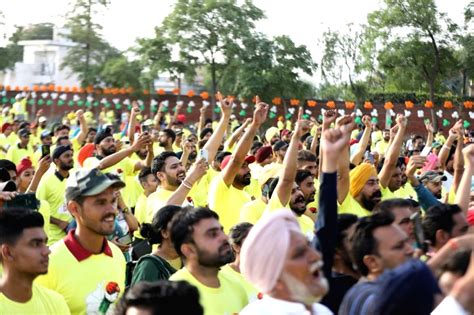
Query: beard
point(296, 209)
point(243, 180)
point(162, 144)
point(192, 156)
point(301, 293)
point(438, 195)
point(176, 181)
point(224, 256)
point(111, 150)
point(66, 166)
point(369, 203)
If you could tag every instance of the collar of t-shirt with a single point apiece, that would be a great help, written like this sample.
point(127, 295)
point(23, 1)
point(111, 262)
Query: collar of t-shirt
point(59, 176)
point(79, 252)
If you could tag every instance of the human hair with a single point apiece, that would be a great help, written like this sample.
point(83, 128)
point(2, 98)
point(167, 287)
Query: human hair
point(344, 222)
point(307, 156)
point(388, 205)
point(58, 141)
point(161, 219)
point(14, 220)
point(144, 174)
point(439, 217)
point(170, 133)
point(61, 127)
point(91, 130)
point(162, 297)
point(363, 240)
point(271, 187)
point(221, 155)
point(239, 232)
point(183, 222)
point(158, 162)
point(8, 165)
point(255, 146)
point(204, 132)
point(301, 175)
point(458, 262)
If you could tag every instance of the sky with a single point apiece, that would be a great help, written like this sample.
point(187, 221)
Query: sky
point(125, 20)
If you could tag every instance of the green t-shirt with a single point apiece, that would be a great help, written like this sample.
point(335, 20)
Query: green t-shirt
point(151, 268)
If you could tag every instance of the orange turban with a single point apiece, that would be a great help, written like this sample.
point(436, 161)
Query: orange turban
point(359, 176)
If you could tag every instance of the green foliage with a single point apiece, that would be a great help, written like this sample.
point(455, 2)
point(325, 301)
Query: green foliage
point(13, 52)
point(119, 72)
point(41, 31)
point(91, 53)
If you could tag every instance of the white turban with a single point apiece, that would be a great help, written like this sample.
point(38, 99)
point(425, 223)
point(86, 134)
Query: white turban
point(265, 249)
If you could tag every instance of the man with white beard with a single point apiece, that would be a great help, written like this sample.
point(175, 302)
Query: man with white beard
point(278, 259)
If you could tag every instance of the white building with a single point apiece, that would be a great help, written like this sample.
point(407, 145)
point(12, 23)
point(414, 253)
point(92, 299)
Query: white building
point(41, 63)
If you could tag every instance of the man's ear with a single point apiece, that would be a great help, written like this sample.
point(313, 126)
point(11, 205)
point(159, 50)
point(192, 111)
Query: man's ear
point(5, 253)
point(160, 176)
point(442, 237)
point(235, 248)
point(188, 251)
point(73, 208)
point(373, 264)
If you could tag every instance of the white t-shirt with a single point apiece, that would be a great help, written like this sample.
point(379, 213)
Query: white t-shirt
point(271, 306)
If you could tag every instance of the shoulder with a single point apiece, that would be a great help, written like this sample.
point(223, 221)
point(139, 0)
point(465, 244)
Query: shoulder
point(117, 254)
point(47, 294)
point(182, 274)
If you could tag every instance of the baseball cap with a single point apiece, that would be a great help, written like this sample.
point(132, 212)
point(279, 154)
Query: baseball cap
point(432, 176)
point(24, 132)
point(45, 133)
point(280, 145)
point(5, 126)
point(8, 186)
point(89, 183)
point(263, 153)
point(249, 159)
point(42, 119)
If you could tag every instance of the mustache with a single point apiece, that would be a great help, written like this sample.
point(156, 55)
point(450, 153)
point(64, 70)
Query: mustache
point(376, 194)
point(300, 199)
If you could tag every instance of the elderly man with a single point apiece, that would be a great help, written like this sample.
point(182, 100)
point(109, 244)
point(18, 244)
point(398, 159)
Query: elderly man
point(277, 258)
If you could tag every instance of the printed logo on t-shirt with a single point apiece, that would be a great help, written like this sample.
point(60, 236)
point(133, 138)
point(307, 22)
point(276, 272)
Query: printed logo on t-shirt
point(99, 301)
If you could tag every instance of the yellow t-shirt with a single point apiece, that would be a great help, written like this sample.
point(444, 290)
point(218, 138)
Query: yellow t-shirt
point(350, 205)
point(305, 223)
point(252, 211)
point(44, 301)
point(15, 154)
point(227, 202)
point(140, 213)
point(158, 200)
point(254, 190)
point(249, 288)
point(52, 189)
point(403, 192)
point(82, 283)
point(381, 147)
point(229, 298)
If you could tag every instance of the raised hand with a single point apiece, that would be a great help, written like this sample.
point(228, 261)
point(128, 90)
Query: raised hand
point(303, 126)
point(455, 130)
point(80, 115)
point(142, 141)
point(346, 124)
point(329, 117)
point(260, 113)
point(429, 127)
point(333, 141)
point(225, 104)
point(401, 121)
point(367, 121)
point(468, 153)
point(197, 171)
point(44, 164)
point(188, 146)
point(416, 162)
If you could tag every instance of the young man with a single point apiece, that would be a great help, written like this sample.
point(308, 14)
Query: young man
point(22, 149)
point(378, 244)
point(199, 239)
point(24, 256)
point(235, 175)
point(86, 269)
point(51, 188)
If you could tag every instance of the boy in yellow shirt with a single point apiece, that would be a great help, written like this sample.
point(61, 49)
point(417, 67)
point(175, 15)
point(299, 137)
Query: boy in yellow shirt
point(24, 256)
point(85, 268)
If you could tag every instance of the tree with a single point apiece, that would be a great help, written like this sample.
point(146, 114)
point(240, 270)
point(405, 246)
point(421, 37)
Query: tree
point(345, 55)
point(120, 72)
point(210, 33)
point(41, 31)
point(417, 40)
point(12, 52)
point(91, 52)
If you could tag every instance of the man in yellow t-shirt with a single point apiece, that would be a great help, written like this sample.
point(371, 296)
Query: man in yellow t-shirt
point(226, 192)
point(382, 145)
point(199, 239)
point(22, 149)
point(24, 256)
point(284, 192)
point(51, 188)
point(85, 268)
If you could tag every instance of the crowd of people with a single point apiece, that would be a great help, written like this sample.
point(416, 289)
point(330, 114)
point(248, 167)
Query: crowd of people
point(125, 214)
